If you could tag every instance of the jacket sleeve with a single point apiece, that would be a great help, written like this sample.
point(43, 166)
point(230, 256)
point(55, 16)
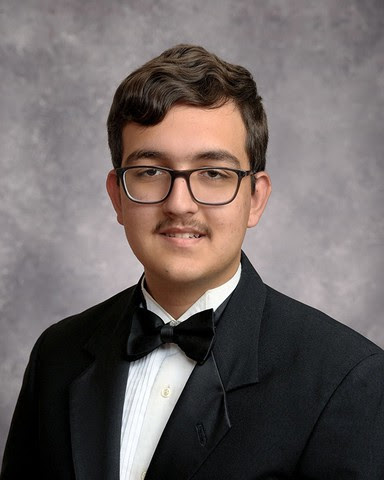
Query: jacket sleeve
point(348, 439)
point(21, 455)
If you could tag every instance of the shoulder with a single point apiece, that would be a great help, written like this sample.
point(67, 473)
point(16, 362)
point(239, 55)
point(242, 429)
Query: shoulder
point(90, 318)
point(295, 333)
point(72, 333)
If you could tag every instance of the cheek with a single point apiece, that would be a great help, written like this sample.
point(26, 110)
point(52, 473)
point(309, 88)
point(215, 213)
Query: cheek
point(135, 215)
point(139, 223)
point(240, 213)
point(133, 221)
point(231, 223)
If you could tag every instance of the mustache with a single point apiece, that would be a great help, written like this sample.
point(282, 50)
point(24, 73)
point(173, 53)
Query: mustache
point(193, 224)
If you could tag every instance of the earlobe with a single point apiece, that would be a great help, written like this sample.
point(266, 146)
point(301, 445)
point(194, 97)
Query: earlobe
point(113, 189)
point(259, 199)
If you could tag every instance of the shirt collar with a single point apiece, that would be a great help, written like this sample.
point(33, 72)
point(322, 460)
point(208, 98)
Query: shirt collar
point(210, 299)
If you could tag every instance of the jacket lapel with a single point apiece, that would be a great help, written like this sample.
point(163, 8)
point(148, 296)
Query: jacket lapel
point(200, 418)
point(97, 397)
point(237, 340)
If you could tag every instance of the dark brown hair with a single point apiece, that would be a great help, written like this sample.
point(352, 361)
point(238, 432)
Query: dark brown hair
point(187, 74)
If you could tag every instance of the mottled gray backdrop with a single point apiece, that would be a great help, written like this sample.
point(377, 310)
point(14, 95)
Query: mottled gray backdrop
point(319, 68)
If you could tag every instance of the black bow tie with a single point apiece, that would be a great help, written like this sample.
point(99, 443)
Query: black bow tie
point(194, 336)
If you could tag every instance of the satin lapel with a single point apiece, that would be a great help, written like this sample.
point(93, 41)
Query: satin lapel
point(237, 335)
point(200, 418)
point(95, 420)
point(97, 398)
point(197, 424)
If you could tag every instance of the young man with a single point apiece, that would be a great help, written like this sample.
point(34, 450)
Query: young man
point(200, 371)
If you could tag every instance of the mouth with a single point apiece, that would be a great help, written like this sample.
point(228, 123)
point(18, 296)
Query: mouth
point(183, 235)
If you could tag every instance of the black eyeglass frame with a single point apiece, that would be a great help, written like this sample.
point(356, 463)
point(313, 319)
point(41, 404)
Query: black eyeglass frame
point(183, 174)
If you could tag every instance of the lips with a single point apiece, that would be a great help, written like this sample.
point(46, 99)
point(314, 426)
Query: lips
point(183, 235)
point(190, 231)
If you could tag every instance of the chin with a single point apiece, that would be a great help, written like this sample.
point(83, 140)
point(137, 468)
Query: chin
point(177, 274)
point(184, 275)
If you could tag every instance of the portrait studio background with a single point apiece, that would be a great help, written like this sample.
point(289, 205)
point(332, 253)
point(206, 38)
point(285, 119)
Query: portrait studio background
point(319, 68)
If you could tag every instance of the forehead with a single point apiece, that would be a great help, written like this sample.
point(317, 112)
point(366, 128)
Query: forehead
point(186, 132)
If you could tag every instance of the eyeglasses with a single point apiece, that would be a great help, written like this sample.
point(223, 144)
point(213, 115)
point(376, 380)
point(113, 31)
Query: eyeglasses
point(208, 186)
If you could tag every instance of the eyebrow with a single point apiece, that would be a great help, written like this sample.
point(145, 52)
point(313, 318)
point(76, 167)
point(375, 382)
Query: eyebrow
point(141, 154)
point(216, 155)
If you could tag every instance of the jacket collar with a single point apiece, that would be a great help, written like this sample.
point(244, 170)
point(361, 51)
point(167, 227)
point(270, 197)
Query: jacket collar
point(200, 419)
point(237, 341)
point(97, 395)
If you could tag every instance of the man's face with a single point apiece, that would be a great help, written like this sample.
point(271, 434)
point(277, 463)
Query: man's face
point(184, 245)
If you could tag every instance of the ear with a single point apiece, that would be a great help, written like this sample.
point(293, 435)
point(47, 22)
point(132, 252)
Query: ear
point(114, 192)
point(259, 198)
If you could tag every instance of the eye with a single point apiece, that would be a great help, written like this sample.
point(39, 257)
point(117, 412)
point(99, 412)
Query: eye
point(214, 174)
point(144, 172)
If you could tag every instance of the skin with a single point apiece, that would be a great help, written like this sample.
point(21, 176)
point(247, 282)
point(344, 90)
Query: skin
point(179, 270)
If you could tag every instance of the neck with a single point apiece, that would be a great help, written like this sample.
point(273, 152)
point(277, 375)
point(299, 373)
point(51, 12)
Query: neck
point(175, 301)
point(176, 298)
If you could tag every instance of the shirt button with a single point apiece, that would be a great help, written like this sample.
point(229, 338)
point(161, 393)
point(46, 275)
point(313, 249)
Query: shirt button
point(166, 392)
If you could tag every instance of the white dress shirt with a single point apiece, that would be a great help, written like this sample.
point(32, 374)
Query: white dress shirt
point(154, 385)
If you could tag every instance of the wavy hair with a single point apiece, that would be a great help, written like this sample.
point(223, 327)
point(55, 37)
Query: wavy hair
point(189, 75)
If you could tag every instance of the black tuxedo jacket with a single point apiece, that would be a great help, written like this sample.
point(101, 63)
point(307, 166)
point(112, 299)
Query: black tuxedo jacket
point(286, 393)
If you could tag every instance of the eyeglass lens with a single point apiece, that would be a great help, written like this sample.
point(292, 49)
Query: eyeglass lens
point(213, 186)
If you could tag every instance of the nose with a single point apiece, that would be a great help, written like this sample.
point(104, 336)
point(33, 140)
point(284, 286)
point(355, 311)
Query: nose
point(180, 201)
